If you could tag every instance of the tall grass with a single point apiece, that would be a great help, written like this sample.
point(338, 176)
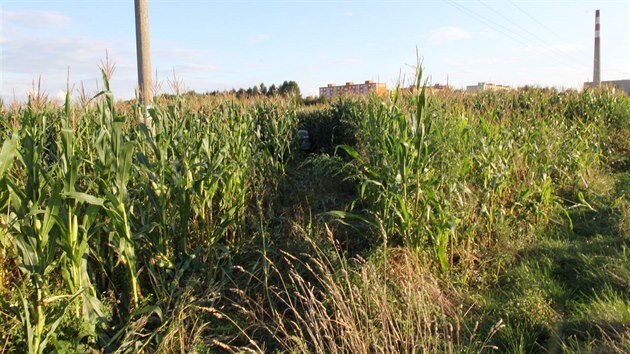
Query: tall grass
point(326, 303)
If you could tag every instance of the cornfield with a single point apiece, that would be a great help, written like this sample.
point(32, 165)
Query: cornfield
point(123, 238)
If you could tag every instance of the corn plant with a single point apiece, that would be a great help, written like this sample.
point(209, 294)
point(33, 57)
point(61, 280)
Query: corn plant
point(398, 180)
point(78, 212)
point(33, 219)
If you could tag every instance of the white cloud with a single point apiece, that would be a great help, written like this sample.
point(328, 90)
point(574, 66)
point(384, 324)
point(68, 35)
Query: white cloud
point(449, 33)
point(259, 38)
point(56, 56)
point(83, 54)
point(41, 19)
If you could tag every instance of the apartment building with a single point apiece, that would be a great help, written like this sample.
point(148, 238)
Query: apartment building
point(350, 88)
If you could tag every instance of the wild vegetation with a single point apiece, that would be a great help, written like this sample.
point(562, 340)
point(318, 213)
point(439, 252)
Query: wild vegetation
point(420, 222)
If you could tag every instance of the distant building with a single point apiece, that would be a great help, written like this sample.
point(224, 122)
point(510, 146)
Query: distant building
point(431, 89)
point(486, 86)
point(350, 88)
point(439, 87)
point(620, 84)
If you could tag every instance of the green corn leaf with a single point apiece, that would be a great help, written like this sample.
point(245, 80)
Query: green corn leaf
point(51, 214)
point(90, 216)
point(25, 317)
point(584, 202)
point(441, 254)
point(29, 254)
point(127, 154)
point(84, 198)
point(8, 153)
point(403, 209)
point(351, 151)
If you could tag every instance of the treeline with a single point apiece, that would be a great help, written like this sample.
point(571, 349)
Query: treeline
point(286, 89)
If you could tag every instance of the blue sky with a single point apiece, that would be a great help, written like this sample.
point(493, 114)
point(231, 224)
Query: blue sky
point(216, 45)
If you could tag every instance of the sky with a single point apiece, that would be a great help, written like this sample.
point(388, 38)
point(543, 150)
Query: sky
point(220, 45)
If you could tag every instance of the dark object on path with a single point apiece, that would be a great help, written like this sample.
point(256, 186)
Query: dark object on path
point(306, 140)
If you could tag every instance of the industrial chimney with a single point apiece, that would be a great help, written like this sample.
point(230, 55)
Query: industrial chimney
point(596, 71)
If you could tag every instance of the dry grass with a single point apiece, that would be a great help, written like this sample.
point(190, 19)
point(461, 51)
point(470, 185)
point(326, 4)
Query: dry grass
point(391, 304)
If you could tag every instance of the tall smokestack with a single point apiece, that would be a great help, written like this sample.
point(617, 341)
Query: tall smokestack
point(596, 71)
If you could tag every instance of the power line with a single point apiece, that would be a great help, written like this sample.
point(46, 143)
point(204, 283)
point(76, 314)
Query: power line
point(509, 32)
point(538, 22)
point(555, 34)
point(514, 23)
point(535, 36)
point(486, 21)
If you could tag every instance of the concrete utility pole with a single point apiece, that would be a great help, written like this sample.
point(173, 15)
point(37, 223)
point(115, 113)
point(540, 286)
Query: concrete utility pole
point(143, 52)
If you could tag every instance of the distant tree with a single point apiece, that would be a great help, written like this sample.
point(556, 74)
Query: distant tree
point(263, 89)
point(311, 100)
point(273, 90)
point(255, 91)
point(290, 88)
point(283, 90)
